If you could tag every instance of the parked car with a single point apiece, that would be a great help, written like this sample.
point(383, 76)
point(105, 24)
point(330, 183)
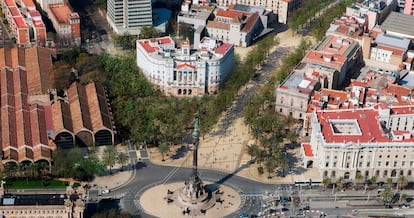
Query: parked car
point(405, 206)
point(244, 215)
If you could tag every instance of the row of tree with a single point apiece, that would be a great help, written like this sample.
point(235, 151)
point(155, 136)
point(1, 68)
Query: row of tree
point(323, 22)
point(269, 129)
point(387, 194)
point(306, 13)
point(72, 164)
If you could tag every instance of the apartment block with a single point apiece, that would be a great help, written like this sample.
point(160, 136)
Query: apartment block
point(66, 23)
point(280, 7)
point(235, 27)
point(371, 12)
point(292, 95)
point(389, 53)
point(25, 22)
point(129, 16)
point(338, 53)
point(409, 7)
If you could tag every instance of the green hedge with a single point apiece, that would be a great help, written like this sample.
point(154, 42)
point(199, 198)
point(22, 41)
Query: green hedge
point(21, 183)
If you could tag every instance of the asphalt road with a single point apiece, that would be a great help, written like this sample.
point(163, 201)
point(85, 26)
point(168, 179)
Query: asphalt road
point(148, 175)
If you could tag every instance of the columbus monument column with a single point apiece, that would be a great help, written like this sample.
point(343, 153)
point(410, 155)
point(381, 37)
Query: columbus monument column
point(194, 199)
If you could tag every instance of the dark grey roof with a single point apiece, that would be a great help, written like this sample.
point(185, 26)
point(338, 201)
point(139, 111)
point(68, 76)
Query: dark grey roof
point(399, 23)
point(240, 7)
point(40, 199)
point(393, 41)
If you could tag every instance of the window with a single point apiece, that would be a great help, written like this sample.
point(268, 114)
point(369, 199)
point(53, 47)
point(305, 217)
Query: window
point(347, 165)
point(327, 164)
point(387, 163)
point(395, 163)
point(335, 157)
point(396, 156)
point(411, 163)
point(403, 163)
point(388, 156)
point(379, 163)
point(380, 156)
point(334, 164)
point(281, 110)
point(404, 156)
point(368, 163)
point(360, 164)
point(327, 157)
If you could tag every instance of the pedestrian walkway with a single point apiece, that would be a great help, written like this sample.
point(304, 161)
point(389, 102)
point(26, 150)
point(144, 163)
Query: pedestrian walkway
point(224, 148)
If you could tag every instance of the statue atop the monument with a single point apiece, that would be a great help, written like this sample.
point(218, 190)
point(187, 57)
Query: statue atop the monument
point(196, 132)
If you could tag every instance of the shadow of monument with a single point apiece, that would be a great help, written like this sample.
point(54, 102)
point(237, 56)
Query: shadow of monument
point(214, 186)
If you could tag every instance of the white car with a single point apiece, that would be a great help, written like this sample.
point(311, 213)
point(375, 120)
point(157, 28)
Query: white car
point(405, 206)
point(106, 191)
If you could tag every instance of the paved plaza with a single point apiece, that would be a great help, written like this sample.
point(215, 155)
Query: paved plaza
point(153, 201)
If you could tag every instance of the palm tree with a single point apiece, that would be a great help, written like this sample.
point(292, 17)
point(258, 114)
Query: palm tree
point(404, 197)
point(270, 165)
point(326, 182)
point(359, 178)
point(340, 182)
point(387, 195)
point(373, 179)
point(292, 137)
point(252, 150)
point(122, 159)
point(9, 169)
point(283, 162)
point(109, 157)
point(402, 182)
point(389, 182)
point(163, 149)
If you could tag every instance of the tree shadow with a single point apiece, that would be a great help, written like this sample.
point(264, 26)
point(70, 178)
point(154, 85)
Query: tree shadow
point(140, 165)
point(180, 152)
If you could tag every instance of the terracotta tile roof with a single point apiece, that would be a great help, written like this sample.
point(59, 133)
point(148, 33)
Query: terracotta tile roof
point(218, 25)
point(164, 40)
point(15, 12)
point(328, 60)
point(395, 51)
point(250, 22)
point(23, 125)
point(101, 115)
point(223, 49)
point(34, 13)
point(61, 12)
point(28, 3)
point(10, 3)
point(236, 16)
point(148, 47)
point(79, 109)
point(185, 65)
point(20, 22)
point(229, 13)
point(366, 120)
point(307, 149)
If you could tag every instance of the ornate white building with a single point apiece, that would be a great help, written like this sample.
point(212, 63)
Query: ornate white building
point(374, 142)
point(185, 71)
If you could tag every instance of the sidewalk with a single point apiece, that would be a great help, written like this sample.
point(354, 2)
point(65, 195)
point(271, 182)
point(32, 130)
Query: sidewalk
point(117, 178)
